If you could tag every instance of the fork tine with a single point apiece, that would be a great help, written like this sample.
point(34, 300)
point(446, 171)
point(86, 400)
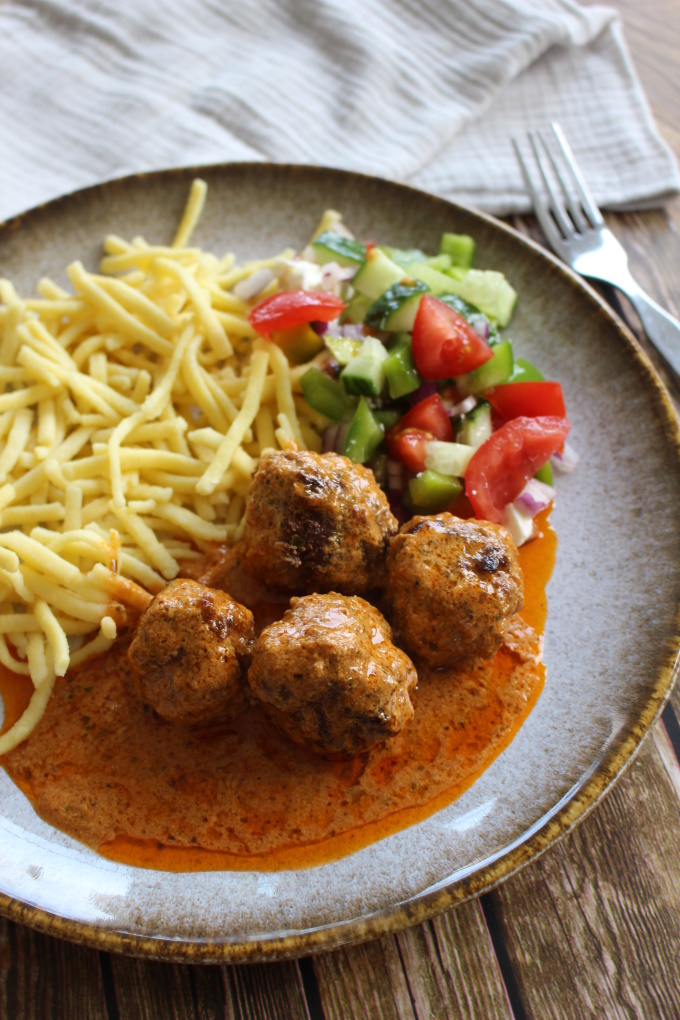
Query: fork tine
point(556, 201)
point(574, 207)
point(538, 202)
point(587, 201)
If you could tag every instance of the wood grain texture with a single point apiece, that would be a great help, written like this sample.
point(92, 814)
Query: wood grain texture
point(43, 978)
point(144, 990)
point(444, 968)
point(593, 927)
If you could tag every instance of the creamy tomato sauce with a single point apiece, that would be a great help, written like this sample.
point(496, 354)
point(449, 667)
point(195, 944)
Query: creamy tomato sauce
point(241, 795)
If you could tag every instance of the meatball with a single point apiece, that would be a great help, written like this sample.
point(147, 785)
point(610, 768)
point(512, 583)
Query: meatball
point(190, 654)
point(452, 586)
point(316, 523)
point(330, 677)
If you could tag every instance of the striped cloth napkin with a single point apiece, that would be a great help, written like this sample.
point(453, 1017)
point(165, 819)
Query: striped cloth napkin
point(423, 91)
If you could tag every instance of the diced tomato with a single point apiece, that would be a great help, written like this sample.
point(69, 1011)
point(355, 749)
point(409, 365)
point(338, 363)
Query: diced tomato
point(293, 307)
point(444, 343)
point(503, 465)
point(430, 415)
point(408, 447)
point(527, 399)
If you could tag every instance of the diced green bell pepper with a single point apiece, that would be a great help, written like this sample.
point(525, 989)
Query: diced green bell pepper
point(326, 395)
point(364, 436)
point(400, 370)
point(432, 491)
point(524, 371)
point(545, 474)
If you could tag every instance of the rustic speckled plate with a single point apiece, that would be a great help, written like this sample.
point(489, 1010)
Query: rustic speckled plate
point(612, 634)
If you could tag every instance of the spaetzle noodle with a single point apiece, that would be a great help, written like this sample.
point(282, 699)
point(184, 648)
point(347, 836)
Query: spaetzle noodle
point(129, 429)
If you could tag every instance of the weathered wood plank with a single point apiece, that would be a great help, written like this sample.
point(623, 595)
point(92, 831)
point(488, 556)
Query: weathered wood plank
point(264, 991)
point(365, 982)
point(668, 752)
point(146, 990)
point(45, 977)
point(593, 927)
point(451, 967)
point(445, 968)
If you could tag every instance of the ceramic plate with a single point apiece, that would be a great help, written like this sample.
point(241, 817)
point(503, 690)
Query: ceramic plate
point(612, 632)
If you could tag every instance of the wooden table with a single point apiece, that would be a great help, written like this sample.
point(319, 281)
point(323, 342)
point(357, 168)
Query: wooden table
point(591, 929)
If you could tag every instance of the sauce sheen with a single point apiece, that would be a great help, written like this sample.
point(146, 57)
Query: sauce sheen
point(242, 796)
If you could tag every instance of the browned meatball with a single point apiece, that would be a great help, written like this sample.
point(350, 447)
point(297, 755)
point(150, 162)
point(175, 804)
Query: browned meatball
point(452, 586)
point(189, 656)
point(316, 523)
point(330, 677)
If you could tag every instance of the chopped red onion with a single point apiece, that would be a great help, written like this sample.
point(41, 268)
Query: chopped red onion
point(332, 274)
point(535, 496)
point(250, 286)
point(480, 324)
point(464, 407)
point(330, 437)
point(334, 437)
point(351, 330)
point(566, 461)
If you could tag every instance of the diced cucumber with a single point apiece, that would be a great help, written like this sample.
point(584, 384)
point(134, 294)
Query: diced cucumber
point(459, 247)
point(434, 280)
point(476, 427)
point(441, 262)
point(396, 307)
point(332, 247)
point(401, 373)
point(355, 311)
point(343, 348)
point(433, 491)
point(364, 436)
point(448, 458)
point(326, 395)
point(365, 374)
point(524, 371)
point(493, 372)
point(490, 291)
point(404, 257)
point(487, 289)
point(377, 274)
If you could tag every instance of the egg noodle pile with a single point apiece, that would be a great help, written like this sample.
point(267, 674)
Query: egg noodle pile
point(132, 414)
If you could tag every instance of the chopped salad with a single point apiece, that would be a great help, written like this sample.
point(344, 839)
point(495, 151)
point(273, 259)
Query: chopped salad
point(409, 366)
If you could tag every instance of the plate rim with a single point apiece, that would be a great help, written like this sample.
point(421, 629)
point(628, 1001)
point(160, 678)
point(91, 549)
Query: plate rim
point(547, 832)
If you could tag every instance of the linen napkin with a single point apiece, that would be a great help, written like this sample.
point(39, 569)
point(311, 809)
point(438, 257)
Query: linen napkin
point(427, 92)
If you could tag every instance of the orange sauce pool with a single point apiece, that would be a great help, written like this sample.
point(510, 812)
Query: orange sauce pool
point(241, 796)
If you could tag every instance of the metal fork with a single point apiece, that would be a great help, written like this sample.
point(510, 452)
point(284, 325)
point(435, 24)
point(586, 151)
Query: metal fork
point(575, 230)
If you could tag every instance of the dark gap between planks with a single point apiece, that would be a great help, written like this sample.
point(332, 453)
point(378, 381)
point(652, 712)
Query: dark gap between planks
point(108, 985)
point(504, 965)
point(310, 986)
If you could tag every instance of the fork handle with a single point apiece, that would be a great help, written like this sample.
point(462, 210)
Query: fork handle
point(662, 329)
